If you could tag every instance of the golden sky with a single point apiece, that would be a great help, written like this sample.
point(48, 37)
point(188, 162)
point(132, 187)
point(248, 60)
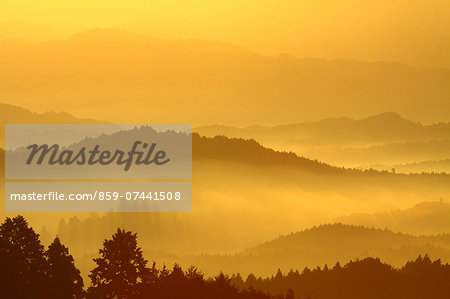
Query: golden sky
point(410, 31)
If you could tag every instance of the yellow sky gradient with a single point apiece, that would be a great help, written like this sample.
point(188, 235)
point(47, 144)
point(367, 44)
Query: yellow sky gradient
point(415, 31)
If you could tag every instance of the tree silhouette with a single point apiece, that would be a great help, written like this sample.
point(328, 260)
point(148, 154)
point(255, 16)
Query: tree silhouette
point(195, 281)
point(23, 266)
point(26, 271)
point(175, 284)
point(120, 268)
point(290, 294)
point(223, 287)
point(64, 278)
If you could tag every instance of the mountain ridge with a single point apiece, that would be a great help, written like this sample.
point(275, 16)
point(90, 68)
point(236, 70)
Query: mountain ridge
point(391, 118)
point(323, 244)
point(149, 73)
point(431, 217)
point(12, 114)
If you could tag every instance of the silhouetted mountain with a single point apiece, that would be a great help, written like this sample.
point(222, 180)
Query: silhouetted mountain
point(222, 148)
point(423, 218)
point(10, 114)
point(382, 139)
point(325, 244)
point(382, 128)
point(436, 166)
point(390, 154)
point(103, 68)
point(340, 237)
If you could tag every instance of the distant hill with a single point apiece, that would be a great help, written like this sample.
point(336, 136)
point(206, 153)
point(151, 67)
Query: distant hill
point(379, 129)
point(251, 154)
point(102, 68)
point(343, 237)
point(289, 167)
point(10, 114)
point(246, 151)
point(436, 166)
point(320, 245)
point(423, 218)
point(392, 155)
point(386, 138)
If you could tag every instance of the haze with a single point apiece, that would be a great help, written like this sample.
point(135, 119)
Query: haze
point(414, 32)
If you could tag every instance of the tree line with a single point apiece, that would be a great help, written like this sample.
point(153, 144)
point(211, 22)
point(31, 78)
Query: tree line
point(367, 278)
point(28, 270)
